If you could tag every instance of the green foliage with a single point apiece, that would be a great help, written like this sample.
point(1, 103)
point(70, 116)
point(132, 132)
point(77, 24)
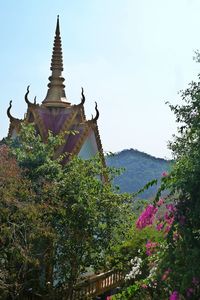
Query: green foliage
point(64, 217)
point(177, 259)
point(183, 253)
point(134, 245)
point(135, 286)
point(21, 230)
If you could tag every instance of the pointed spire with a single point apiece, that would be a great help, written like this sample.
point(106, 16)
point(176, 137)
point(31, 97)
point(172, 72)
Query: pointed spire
point(56, 93)
point(56, 61)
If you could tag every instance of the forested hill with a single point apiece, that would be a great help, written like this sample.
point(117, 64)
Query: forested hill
point(140, 168)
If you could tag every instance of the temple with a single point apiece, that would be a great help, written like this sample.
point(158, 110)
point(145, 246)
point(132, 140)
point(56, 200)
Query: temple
point(58, 115)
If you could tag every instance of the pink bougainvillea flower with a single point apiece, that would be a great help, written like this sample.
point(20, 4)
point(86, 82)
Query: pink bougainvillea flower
point(147, 217)
point(176, 236)
point(166, 274)
point(159, 226)
point(174, 296)
point(166, 216)
point(160, 202)
point(169, 219)
point(164, 174)
point(167, 229)
point(150, 247)
point(171, 208)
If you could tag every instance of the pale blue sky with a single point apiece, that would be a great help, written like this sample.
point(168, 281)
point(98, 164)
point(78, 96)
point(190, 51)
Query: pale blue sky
point(129, 55)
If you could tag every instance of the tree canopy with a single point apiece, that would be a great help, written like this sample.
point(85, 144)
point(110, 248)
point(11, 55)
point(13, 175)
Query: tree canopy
point(56, 220)
point(172, 263)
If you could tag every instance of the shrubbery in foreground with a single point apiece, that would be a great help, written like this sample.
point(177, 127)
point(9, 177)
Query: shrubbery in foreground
point(173, 262)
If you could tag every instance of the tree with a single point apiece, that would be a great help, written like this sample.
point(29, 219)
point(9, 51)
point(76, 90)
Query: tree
point(69, 215)
point(183, 182)
point(21, 229)
point(176, 259)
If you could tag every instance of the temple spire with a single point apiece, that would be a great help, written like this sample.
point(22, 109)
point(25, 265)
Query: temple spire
point(56, 89)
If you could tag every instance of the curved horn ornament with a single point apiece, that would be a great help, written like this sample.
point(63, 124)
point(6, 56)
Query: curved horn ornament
point(97, 113)
point(26, 97)
point(8, 111)
point(82, 96)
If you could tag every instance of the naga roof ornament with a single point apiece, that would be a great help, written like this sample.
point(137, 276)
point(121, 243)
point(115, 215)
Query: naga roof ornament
point(15, 123)
point(82, 96)
point(9, 114)
point(97, 113)
point(27, 100)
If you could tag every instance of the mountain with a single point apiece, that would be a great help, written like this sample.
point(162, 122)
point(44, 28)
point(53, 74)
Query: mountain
point(139, 169)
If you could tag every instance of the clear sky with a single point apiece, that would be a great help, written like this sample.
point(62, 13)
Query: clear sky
point(131, 56)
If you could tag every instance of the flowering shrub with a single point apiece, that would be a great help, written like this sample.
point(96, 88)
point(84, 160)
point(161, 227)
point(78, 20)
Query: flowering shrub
point(147, 217)
point(136, 268)
point(174, 296)
point(177, 216)
point(150, 247)
point(163, 256)
point(173, 263)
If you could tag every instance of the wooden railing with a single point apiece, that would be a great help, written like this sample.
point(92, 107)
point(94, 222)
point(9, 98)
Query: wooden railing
point(98, 285)
point(87, 289)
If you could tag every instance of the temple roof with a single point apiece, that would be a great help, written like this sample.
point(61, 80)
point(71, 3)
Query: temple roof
point(56, 114)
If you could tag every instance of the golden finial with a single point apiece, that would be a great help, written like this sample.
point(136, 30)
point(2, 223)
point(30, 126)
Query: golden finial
point(56, 92)
point(56, 61)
